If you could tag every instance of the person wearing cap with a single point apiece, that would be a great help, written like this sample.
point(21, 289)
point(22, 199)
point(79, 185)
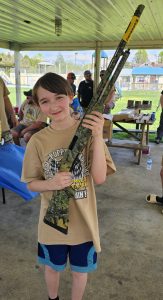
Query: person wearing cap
point(71, 78)
point(85, 90)
point(75, 105)
point(6, 111)
point(31, 120)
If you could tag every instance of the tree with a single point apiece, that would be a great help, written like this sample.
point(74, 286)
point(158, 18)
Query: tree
point(7, 62)
point(160, 57)
point(141, 56)
point(25, 62)
point(128, 65)
point(8, 59)
point(36, 59)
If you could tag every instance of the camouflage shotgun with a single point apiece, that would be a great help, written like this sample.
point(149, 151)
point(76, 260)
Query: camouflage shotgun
point(57, 212)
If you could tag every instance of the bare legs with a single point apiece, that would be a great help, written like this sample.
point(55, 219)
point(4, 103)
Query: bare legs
point(52, 281)
point(79, 281)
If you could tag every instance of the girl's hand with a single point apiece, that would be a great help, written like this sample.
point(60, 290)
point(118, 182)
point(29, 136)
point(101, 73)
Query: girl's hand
point(60, 181)
point(95, 123)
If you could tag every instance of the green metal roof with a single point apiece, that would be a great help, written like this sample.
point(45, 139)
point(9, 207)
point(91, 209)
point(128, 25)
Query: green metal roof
point(29, 24)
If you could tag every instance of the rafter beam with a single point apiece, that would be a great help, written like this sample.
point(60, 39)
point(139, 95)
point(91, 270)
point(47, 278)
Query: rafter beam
point(67, 46)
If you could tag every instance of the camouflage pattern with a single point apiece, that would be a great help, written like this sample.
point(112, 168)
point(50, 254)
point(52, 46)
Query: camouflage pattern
point(7, 137)
point(57, 212)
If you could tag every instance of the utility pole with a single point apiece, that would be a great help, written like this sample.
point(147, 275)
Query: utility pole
point(76, 53)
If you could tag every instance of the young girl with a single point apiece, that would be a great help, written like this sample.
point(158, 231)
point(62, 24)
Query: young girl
point(41, 171)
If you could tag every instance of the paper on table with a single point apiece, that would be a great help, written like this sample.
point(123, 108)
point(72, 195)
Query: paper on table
point(108, 116)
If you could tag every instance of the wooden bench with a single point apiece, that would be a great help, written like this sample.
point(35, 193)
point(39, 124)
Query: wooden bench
point(115, 130)
point(127, 146)
point(133, 146)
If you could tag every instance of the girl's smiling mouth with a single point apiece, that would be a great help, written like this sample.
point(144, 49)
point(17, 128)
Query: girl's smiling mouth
point(56, 113)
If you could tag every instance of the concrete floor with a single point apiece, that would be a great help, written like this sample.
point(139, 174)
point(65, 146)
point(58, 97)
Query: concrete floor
point(131, 262)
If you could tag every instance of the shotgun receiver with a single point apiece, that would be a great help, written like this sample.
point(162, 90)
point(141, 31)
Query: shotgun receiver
point(57, 212)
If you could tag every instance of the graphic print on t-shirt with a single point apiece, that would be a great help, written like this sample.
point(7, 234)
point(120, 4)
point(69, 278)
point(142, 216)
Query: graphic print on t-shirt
point(80, 171)
point(29, 114)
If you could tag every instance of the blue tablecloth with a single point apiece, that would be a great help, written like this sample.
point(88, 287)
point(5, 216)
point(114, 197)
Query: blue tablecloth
point(11, 160)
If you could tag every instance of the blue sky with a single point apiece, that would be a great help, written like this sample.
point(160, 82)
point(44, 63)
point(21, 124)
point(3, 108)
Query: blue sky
point(82, 57)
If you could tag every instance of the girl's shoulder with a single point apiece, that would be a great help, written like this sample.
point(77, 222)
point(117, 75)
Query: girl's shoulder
point(45, 132)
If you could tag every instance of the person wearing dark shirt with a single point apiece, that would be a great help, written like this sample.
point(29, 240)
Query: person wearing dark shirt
point(160, 127)
point(70, 78)
point(85, 90)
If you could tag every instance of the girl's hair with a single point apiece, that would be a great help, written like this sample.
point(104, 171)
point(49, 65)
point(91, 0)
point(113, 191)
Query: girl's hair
point(54, 83)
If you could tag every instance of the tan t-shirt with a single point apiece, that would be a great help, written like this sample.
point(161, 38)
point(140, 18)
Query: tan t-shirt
point(43, 152)
point(3, 92)
point(32, 113)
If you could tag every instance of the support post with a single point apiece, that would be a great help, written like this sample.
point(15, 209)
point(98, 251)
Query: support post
point(17, 77)
point(96, 67)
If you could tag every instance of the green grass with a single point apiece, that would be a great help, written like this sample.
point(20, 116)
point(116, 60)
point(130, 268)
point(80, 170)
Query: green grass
point(140, 95)
point(125, 136)
point(12, 95)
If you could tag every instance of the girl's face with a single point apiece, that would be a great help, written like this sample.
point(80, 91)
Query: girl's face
point(55, 106)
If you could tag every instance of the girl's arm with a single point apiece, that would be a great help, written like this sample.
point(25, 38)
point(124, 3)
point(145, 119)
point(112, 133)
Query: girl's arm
point(60, 181)
point(95, 122)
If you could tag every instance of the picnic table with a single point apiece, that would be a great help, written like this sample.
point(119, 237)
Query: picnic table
point(141, 121)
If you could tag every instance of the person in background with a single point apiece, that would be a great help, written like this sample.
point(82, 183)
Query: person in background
point(85, 90)
point(160, 127)
point(77, 109)
point(41, 171)
point(31, 120)
point(108, 105)
point(71, 78)
point(110, 99)
point(6, 111)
